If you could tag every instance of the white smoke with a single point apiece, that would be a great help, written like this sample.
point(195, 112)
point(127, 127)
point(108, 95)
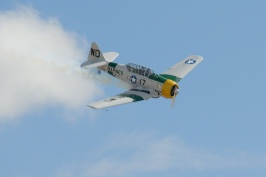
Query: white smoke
point(39, 65)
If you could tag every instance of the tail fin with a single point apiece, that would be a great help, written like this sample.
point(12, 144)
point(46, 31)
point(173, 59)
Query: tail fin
point(181, 69)
point(96, 58)
point(95, 53)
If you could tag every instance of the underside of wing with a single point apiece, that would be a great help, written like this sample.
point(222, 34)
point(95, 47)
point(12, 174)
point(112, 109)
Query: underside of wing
point(123, 98)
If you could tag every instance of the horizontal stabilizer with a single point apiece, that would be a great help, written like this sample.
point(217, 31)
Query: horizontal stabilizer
point(110, 56)
point(92, 64)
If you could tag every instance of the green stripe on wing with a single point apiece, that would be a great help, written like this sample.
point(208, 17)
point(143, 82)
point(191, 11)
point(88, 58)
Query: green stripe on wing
point(134, 97)
point(171, 77)
point(157, 78)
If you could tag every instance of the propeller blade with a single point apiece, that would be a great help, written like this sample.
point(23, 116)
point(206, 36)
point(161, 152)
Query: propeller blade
point(173, 100)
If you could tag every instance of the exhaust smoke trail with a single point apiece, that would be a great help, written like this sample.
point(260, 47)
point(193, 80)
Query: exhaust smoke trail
point(39, 65)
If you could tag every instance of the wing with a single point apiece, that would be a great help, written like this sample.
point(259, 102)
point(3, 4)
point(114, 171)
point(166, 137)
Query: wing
point(130, 96)
point(181, 69)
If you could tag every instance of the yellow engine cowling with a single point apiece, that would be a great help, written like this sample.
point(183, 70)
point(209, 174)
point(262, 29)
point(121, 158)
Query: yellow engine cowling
point(168, 87)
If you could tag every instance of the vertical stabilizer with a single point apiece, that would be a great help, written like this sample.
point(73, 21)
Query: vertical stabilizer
point(95, 53)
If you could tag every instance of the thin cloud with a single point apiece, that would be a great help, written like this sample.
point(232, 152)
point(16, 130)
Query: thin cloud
point(39, 65)
point(135, 154)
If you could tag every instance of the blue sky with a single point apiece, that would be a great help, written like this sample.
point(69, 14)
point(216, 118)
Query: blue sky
point(217, 127)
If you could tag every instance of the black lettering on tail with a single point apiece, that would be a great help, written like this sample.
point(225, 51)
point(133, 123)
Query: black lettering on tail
point(95, 52)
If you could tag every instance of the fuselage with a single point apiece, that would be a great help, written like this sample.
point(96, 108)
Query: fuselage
point(139, 78)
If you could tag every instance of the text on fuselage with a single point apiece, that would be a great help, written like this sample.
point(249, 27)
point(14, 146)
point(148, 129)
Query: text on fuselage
point(115, 71)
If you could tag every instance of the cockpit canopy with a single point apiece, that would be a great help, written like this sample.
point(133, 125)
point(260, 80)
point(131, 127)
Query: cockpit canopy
point(141, 70)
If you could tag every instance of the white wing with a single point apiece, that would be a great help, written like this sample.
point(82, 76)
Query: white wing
point(123, 98)
point(181, 69)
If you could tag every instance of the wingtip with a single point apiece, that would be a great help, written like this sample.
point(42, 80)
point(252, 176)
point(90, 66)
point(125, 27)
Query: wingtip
point(92, 107)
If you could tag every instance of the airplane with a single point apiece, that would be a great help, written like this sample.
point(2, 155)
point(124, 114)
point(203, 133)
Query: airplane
point(143, 82)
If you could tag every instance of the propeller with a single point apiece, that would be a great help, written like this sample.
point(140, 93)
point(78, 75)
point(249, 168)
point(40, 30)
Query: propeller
point(174, 92)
